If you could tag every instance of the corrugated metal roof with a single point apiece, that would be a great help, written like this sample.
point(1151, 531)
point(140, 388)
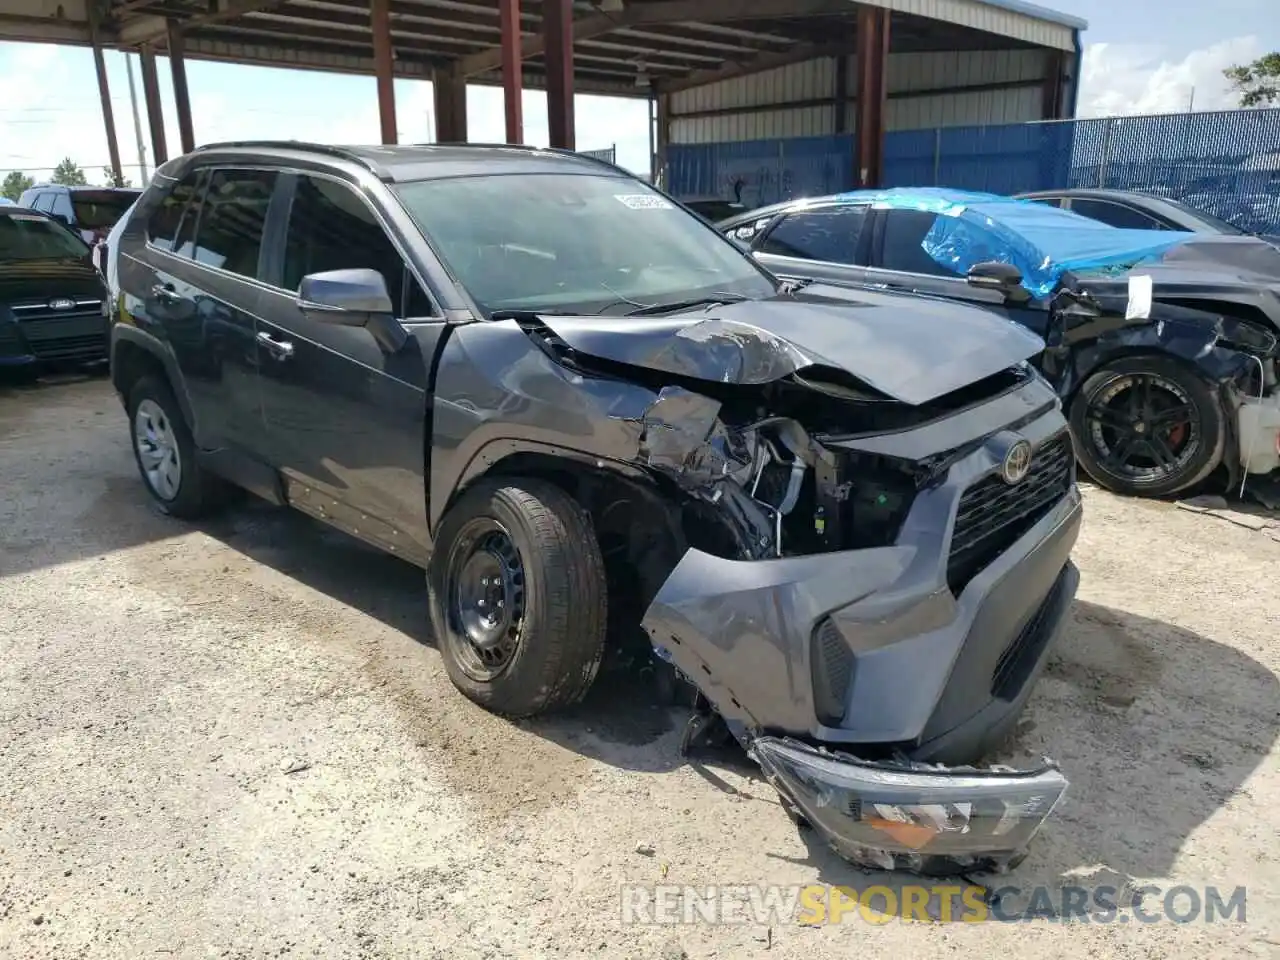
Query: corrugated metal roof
point(1009, 18)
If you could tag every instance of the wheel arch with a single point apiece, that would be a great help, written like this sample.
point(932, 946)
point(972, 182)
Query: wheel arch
point(136, 354)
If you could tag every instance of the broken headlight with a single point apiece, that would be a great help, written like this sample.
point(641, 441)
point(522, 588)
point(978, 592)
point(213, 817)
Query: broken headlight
point(912, 816)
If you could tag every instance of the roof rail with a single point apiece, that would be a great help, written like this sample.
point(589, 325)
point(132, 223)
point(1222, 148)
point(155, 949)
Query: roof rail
point(340, 152)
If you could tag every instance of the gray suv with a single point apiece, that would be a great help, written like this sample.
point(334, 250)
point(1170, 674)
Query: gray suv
point(582, 411)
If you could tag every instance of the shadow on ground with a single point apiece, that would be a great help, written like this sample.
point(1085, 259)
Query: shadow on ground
point(1155, 726)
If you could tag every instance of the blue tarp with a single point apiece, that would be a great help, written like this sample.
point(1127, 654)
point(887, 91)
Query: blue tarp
point(1040, 240)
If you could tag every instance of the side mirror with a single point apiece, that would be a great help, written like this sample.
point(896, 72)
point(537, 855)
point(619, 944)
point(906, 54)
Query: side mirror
point(1003, 277)
point(352, 298)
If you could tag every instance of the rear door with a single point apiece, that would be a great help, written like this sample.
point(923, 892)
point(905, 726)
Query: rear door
point(189, 275)
point(346, 420)
point(900, 262)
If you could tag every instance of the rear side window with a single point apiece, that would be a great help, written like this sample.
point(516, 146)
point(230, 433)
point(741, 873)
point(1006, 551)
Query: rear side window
point(332, 228)
point(831, 235)
point(167, 220)
point(1115, 214)
point(232, 218)
point(904, 233)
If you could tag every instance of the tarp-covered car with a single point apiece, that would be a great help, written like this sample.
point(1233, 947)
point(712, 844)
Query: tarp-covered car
point(583, 411)
point(1162, 343)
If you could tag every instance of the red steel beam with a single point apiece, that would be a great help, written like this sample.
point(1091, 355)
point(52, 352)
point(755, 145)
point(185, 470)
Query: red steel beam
point(557, 29)
point(151, 94)
point(873, 62)
point(104, 93)
point(181, 96)
point(512, 69)
point(383, 66)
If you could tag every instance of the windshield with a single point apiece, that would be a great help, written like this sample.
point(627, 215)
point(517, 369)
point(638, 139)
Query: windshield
point(30, 236)
point(100, 211)
point(583, 243)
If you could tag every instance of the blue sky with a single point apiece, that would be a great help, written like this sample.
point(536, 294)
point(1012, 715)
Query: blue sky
point(1142, 56)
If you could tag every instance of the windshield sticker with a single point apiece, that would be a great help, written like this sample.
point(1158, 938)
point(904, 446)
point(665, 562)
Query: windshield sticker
point(641, 201)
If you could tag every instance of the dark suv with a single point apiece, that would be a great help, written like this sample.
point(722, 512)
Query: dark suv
point(580, 409)
point(50, 295)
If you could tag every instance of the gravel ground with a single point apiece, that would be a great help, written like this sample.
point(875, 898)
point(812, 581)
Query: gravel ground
point(237, 741)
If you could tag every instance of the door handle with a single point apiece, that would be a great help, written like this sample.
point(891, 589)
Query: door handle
point(165, 293)
point(280, 349)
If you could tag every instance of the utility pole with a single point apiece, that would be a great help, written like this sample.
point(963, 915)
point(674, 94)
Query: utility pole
point(1191, 101)
point(137, 120)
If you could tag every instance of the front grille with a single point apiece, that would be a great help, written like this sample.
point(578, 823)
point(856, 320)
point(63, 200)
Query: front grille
point(41, 311)
point(993, 514)
point(66, 336)
point(832, 664)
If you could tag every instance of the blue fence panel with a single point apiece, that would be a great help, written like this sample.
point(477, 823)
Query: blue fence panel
point(761, 171)
point(1226, 163)
point(608, 154)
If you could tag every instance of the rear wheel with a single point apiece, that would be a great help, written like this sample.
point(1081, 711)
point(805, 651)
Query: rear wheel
point(1148, 426)
point(166, 454)
point(518, 597)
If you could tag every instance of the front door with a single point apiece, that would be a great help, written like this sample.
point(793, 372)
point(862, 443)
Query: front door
point(346, 421)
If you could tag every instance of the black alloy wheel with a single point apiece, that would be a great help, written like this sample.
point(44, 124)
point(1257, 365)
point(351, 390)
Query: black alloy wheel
point(1147, 426)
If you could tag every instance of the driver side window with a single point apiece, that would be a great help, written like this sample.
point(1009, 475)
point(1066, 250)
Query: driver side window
point(331, 228)
point(903, 249)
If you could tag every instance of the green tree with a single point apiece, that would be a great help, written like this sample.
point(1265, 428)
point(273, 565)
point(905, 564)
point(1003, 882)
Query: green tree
point(1257, 83)
point(14, 183)
point(69, 174)
point(110, 180)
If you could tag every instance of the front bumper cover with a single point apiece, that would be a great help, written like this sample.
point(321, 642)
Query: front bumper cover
point(912, 816)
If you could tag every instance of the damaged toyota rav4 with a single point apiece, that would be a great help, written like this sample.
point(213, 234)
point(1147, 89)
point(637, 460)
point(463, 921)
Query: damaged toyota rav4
point(582, 411)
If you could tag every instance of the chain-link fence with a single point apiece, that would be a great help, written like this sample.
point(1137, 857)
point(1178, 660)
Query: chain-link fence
point(1227, 163)
point(608, 154)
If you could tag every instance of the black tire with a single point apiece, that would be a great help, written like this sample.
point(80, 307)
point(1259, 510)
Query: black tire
point(1154, 447)
point(553, 580)
point(198, 492)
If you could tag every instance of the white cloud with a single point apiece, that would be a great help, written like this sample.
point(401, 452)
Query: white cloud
point(1129, 79)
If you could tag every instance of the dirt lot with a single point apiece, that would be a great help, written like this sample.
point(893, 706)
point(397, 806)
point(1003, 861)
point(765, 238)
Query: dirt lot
point(159, 680)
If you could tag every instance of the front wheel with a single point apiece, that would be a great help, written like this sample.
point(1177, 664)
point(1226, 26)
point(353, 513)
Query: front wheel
point(517, 592)
point(1147, 426)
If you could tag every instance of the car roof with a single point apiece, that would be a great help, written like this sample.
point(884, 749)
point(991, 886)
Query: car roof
point(408, 162)
point(1100, 192)
point(6, 209)
point(71, 188)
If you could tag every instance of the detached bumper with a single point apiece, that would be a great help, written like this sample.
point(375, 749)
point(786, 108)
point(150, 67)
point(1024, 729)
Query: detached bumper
point(899, 816)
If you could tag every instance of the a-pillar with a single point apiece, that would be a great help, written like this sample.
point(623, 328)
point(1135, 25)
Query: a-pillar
point(383, 67)
point(151, 96)
point(873, 63)
point(104, 93)
point(512, 69)
point(181, 97)
point(450, 89)
point(557, 30)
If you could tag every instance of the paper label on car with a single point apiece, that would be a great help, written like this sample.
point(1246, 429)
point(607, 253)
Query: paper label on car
point(641, 201)
point(1139, 307)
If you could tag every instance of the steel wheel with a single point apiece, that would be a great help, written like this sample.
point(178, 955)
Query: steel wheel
point(486, 598)
point(1143, 428)
point(157, 446)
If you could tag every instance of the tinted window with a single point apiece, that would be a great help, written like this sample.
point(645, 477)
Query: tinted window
point(904, 233)
point(1114, 214)
point(62, 206)
point(100, 211)
point(27, 236)
point(830, 235)
point(331, 228)
point(43, 202)
point(167, 219)
point(232, 217)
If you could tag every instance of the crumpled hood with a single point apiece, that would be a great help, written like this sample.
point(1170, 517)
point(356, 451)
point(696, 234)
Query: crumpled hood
point(912, 349)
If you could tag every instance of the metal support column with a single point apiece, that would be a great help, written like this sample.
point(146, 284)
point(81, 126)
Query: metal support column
point(450, 89)
point(383, 67)
point(557, 28)
point(841, 119)
point(104, 93)
point(512, 69)
point(663, 111)
point(1055, 82)
point(151, 96)
point(873, 62)
point(181, 97)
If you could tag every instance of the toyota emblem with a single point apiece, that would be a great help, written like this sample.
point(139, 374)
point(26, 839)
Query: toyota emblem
point(1017, 463)
point(61, 303)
